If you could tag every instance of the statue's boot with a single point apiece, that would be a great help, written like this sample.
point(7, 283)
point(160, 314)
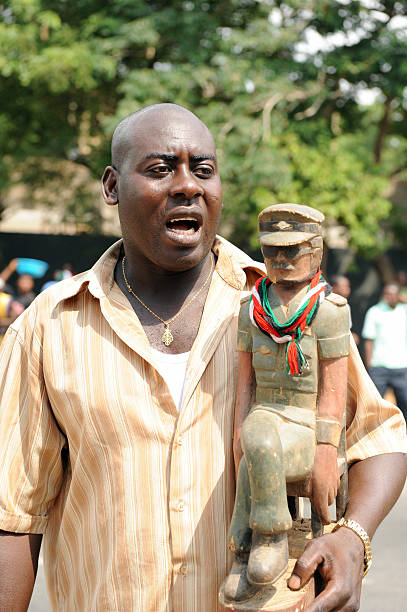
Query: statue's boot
point(236, 586)
point(268, 558)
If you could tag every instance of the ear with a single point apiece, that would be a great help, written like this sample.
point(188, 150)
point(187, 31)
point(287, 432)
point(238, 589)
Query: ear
point(109, 186)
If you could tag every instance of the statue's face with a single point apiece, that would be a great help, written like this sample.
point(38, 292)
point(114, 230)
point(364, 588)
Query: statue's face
point(291, 264)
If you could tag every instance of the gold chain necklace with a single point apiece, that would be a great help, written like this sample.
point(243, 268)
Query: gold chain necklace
point(167, 336)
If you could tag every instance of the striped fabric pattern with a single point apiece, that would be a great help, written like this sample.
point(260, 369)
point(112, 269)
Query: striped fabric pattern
point(133, 497)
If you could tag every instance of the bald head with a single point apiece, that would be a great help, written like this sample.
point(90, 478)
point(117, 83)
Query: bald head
point(156, 116)
point(391, 294)
point(341, 285)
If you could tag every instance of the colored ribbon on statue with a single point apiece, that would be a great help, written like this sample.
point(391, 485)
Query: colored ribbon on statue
point(291, 331)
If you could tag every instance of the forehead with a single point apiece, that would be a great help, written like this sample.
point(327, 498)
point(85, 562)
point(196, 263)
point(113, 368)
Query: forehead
point(390, 290)
point(175, 133)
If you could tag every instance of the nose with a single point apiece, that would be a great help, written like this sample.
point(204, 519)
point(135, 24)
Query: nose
point(185, 184)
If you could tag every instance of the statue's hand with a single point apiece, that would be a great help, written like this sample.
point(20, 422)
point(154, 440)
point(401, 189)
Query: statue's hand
point(338, 557)
point(324, 480)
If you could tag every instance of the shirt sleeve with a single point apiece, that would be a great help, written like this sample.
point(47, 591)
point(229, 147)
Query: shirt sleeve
point(244, 334)
point(374, 426)
point(369, 325)
point(31, 444)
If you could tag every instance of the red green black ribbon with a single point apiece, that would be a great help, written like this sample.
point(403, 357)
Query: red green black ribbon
point(292, 330)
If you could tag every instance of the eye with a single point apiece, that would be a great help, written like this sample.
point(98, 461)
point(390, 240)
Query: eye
point(204, 171)
point(160, 169)
point(291, 251)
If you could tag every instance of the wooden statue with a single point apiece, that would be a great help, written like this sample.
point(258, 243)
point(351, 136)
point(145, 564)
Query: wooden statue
point(293, 343)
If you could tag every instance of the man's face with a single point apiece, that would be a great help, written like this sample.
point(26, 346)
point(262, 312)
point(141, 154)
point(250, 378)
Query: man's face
point(168, 191)
point(25, 283)
point(290, 264)
point(342, 287)
point(391, 295)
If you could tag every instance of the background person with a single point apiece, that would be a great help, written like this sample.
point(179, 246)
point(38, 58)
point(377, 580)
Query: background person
point(24, 292)
point(6, 273)
point(9, 308)
point(385, 334)
point(341, 285)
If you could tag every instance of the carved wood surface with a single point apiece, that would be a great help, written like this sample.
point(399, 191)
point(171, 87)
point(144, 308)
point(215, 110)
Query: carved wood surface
point(279, 598)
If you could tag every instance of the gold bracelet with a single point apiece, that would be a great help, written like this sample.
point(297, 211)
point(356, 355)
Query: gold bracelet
point(358, 529)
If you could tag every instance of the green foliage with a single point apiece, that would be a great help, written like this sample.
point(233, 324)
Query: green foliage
point(287, 118)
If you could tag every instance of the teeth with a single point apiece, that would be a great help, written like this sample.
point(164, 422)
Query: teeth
point(182, 219)
point(188, 231)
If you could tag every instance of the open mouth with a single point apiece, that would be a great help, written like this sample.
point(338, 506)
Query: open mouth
point(185, 225)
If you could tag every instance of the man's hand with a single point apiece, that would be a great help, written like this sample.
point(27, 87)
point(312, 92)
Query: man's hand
point(374, 486)
point(338, 557)
point(324, 480)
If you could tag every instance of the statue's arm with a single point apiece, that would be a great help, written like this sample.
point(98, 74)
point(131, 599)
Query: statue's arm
point(244, 393)
point(374, 487)
point(331, 407)
point(18, 567)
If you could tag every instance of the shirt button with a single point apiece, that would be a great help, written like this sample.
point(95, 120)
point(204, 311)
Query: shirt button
point(183, 569)
point(181, 506)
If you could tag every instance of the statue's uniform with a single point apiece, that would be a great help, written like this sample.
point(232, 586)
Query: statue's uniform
point(278, 435)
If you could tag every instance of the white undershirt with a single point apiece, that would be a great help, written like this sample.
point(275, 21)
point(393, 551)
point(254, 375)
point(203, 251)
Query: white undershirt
point(173, 369)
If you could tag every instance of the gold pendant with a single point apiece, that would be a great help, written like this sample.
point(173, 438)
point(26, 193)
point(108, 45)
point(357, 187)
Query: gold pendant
point(167, 336)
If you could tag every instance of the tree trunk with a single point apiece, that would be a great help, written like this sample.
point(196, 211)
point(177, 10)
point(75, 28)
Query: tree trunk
point(383, 126)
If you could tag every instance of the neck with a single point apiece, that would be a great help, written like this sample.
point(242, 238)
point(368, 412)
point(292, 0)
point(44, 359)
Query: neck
point(151, 283)
point(287, 291)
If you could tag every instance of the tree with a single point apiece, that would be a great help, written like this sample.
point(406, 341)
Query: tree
point(286, 116)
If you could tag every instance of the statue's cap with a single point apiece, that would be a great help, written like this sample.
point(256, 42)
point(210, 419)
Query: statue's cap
point(287, 224)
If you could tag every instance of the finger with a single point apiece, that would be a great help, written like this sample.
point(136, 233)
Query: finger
point(304, 568)
point(321, 508)
point(331, 496)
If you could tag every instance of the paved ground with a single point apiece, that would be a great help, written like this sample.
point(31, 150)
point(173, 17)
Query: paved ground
point(384, 588)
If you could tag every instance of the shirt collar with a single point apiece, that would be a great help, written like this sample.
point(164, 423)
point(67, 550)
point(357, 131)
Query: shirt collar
point(232, 266)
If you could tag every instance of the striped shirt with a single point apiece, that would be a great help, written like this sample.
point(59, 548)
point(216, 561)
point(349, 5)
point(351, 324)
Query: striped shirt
point(134, 497)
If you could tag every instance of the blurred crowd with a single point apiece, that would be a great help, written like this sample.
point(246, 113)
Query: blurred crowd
point(16, 296)
point(384, 334)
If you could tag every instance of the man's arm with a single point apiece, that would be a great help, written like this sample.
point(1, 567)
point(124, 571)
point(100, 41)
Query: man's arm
point(374, 486)
point(18, 568)
point(7, 272)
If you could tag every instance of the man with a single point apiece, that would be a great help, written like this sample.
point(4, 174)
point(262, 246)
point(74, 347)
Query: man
point(293, 343)
point(385, 334)
point(134, 498)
